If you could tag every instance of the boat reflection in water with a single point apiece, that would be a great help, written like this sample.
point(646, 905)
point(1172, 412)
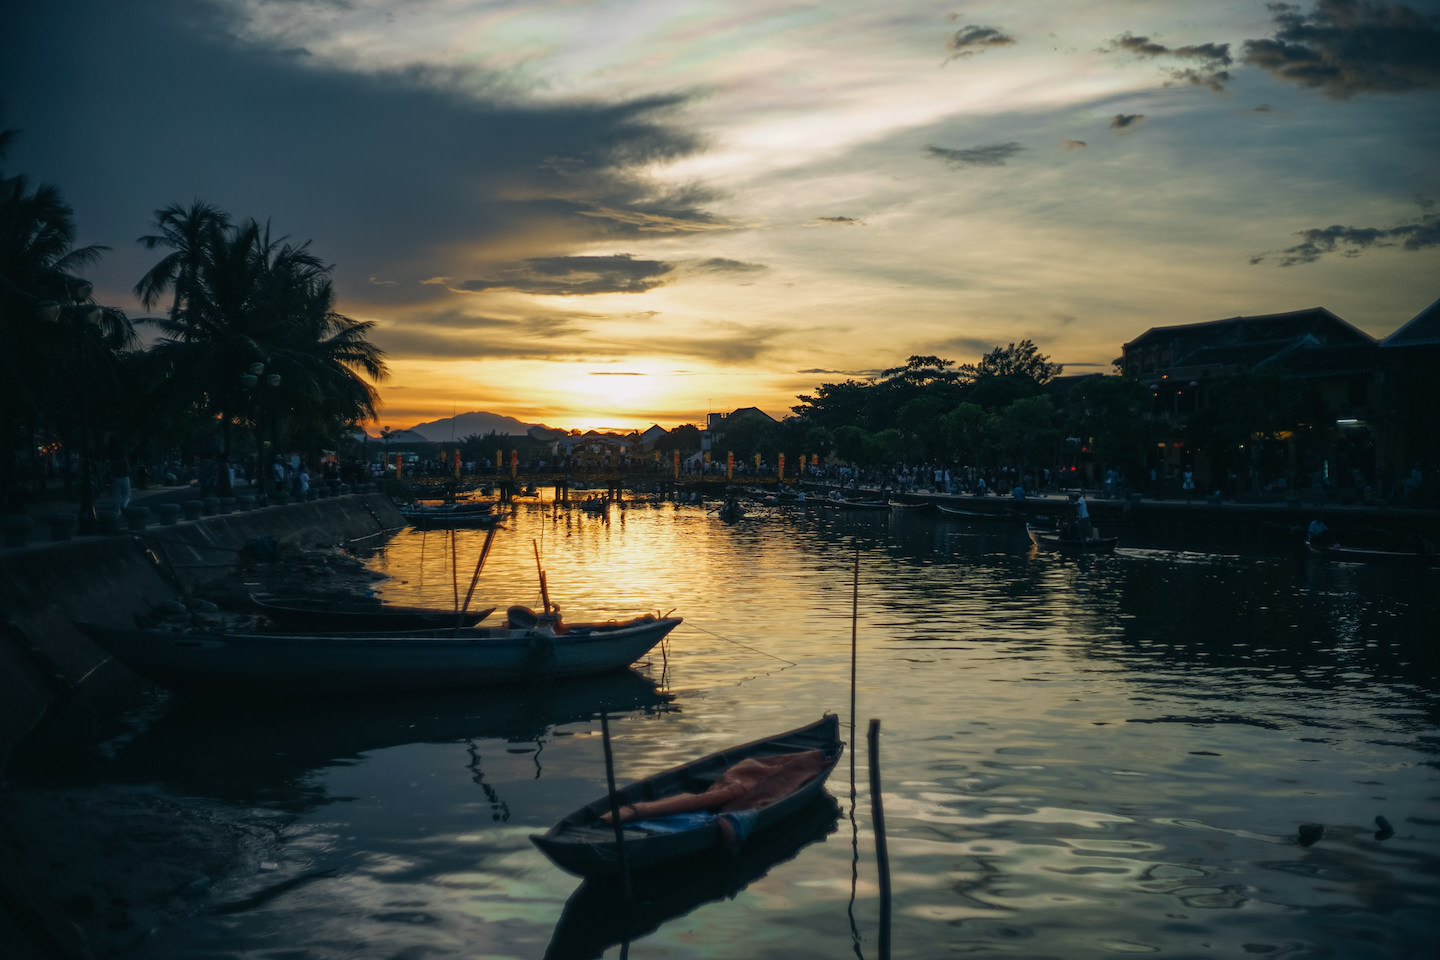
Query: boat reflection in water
point(598, 914)
point(247, 753)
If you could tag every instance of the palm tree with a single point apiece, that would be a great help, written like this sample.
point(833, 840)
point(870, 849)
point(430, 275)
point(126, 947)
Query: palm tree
point(190, 235)
point(326, 353)
point(245, 298)
point(39, 284)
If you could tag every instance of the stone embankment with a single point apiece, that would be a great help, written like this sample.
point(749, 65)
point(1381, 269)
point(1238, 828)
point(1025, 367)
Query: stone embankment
point(57, 689)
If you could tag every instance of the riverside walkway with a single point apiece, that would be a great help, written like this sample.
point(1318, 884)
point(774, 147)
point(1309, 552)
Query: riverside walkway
point(54, 519)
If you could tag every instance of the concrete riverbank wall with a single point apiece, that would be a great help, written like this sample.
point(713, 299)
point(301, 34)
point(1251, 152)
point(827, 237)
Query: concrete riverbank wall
point(81, 877)
point(54, 682)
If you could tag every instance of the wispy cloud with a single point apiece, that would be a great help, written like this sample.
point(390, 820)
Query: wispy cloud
point(1126, 122)
point(574, 276)
point(1074, 144)
point(1211, 59)
point(971, 40)
point(722, 266)
point(1348, 47)
point(841, 221)
point(991, 155)
point(1417, 234)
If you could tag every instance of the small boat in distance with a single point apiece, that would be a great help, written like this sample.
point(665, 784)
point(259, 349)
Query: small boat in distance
point(716, 803)
point(1347, 554)
point(1002, 514)
point(1064, 543)
point(260, 665)
point(476, 513)
point(838, 501)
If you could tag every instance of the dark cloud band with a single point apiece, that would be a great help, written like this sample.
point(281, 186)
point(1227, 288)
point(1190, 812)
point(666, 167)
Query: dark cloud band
point(1348, 47)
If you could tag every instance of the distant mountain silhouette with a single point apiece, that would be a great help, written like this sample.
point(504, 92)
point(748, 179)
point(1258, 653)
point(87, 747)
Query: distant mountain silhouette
point(475, 423)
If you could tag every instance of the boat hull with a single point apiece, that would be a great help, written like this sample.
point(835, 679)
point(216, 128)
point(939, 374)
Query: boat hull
point(997, 516)
point(599, 914)
point(439, 518)
point(1073, 545)
point(583, 844)
point(1343, 554)
point(309, 614)
point(294, 664)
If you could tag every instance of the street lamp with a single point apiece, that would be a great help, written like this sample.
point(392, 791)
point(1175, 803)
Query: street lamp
point(80, 316)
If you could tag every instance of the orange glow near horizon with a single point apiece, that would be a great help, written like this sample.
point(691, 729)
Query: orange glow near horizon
point(581, 396)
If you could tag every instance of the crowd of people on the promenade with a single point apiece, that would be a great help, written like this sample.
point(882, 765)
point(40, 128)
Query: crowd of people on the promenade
point(291, 475)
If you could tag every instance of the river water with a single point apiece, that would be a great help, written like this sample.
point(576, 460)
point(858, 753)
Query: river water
point(1077, 757)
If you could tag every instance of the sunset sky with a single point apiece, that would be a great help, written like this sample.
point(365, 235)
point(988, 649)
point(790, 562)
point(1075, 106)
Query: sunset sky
point(616, 213)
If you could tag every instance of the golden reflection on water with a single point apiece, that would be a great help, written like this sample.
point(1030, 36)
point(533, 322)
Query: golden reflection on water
point(1082, 757)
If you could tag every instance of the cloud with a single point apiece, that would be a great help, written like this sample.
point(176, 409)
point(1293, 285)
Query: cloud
point(1074, 144)
point(1125, 122)
point(722, 265)
point(841, 221)
point(970, 40)
point(574, 276)
point(1212, 58)
point(589, 275)
point(659, 220)
point(439, 164)
point(992, 155)
point(1218, 53)
point(1418, 234)
point(1348, 47)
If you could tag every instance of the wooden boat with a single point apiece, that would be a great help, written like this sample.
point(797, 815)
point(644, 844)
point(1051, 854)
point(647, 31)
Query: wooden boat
point(599, 915)
point(288, 664)
point(349, 613)
point(1006, 514)
point(447, 515)
point(1346, 554)
point(1061, 543)
point(837, 502)
point(907, 504)
point(718, 802)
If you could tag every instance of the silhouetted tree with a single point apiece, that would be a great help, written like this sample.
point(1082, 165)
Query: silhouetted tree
point(46, 305)
point(1021, 359)
point(245, 298)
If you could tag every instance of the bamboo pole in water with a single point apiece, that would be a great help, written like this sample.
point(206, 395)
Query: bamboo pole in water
point(615, 805)
point(475, 577)
point(882, 858)
point(544, 593)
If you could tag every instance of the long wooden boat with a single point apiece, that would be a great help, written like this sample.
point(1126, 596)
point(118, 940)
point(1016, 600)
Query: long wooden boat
point(715, 803)
point(330, 614)
point(600, 915)
point(1005, 514)
point(444, 516)
point(290, 664)
point(843, 503)
point(1345, 554)
point(1060, 543)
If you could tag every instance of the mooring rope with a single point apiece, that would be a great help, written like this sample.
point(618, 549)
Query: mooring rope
point(691, 623)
